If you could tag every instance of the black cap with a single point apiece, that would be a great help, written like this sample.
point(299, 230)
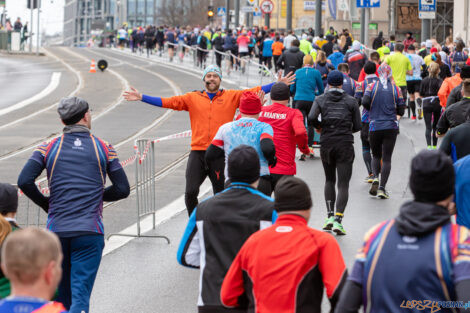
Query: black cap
point(465, 72)
point(8, 198)
point(370, 68)
point(243, 164)
point(72, 109)
point(292, 194)
point(432, 176)
point(280, 92)
point(335, 78)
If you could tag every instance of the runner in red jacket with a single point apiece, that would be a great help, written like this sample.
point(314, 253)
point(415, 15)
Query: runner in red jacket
point(284, 268)
point(289, 131)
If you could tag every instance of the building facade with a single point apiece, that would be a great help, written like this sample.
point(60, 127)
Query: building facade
point(83, 18)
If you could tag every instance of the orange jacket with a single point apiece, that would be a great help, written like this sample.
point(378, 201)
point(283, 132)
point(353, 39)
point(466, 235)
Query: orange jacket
point(447, 85)
point(277, 48)
point(206, 115)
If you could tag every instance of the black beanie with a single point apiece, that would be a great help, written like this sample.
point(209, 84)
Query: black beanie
point(292, 194)
point(370, 68)
point(280, 92)
point(432, 176)
point(465, 72)
point(243, 164)
point(8, 198)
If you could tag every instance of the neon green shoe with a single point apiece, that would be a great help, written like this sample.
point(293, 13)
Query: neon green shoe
point(374, 187)
point(338, 229)
point(329, 223)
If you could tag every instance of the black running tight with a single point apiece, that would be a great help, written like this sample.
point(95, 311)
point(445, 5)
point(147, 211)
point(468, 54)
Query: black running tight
point(344, 171)
point(431, 117)
point(382, 143)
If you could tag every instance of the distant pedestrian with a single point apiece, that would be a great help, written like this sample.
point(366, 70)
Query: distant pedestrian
point(18, 25)
point(77, 163)
point(336, 57)
point(292, 59)
point(355, 59)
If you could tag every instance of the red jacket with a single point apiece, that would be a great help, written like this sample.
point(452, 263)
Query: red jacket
point(287, 266)
point(289, 130)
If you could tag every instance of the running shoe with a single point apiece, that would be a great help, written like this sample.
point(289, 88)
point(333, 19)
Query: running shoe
point(413, 118)
point(329, 223)
point(434, 147)
point(302, 157)
point(369, 179)
point(429, 147)
point(312, 153)
point(374, 187)
point(338, 229)
point(382, 194)
point(419, 102)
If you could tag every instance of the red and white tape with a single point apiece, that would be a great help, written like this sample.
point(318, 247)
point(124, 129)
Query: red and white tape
point(130, 160)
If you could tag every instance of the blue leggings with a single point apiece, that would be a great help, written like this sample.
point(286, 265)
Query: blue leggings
point(82, 257)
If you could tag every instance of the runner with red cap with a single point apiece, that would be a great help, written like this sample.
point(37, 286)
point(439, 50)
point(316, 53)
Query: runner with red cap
point(248, 131)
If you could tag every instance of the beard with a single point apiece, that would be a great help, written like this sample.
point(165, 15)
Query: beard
point(212, 86)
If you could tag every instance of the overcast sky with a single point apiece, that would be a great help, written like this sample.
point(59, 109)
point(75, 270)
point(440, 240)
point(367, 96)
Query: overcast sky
point(52, 14)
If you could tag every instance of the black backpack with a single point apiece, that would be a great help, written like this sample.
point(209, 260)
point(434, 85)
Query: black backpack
point(203, 42)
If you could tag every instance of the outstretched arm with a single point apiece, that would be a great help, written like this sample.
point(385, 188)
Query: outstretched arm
point(179, 103)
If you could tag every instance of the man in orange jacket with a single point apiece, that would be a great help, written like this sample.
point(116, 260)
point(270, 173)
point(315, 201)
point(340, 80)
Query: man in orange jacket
point(208, 110)
point(447, 85)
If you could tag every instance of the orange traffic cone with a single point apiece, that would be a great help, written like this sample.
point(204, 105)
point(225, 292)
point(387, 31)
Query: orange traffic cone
point(92, 67)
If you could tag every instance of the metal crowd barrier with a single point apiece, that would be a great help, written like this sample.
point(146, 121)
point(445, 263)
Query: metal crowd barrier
point(144, 187)
point(252, 70)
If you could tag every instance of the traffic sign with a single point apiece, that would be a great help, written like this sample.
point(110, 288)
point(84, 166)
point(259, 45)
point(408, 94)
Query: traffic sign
point(427, 5)
point(248, 9)
point(221, 11)
point(267, 6)
point(251, 2)
point(257, 11)
point(368, 3)
point(427, 15)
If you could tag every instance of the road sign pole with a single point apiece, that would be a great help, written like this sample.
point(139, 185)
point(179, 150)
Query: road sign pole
point(318, 4)
point(237, 13)
point(425, 29)
point(289, 15)
point(267, 18)
point(31, 3)
point(227, 15)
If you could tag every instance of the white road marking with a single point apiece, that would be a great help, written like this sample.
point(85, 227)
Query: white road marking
point(55, 80)
point(146, 224)
point(73, 93)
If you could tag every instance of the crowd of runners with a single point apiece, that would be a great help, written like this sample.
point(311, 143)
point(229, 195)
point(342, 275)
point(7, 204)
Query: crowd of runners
point(251, 240)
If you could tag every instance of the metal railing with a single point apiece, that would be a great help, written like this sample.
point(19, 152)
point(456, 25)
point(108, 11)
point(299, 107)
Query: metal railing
point(144, 187)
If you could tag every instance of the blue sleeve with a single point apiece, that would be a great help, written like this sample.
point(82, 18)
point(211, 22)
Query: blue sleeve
point(267, 88)
point(319, 82)
point(189, 249)
point(120, 186)
point(156, 101)
point(274, 217)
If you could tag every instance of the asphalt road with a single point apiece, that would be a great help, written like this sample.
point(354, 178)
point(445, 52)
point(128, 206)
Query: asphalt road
point(143, 275)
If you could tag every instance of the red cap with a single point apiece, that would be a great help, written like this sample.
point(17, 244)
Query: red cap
point(433, 49)
point(250, 104)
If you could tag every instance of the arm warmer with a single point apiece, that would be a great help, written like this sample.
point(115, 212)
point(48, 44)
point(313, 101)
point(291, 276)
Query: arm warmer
point(269, 151)
point(156, 101)
point(366, 102)
point(401, 110)
point(267, 88)
point(351, 298)
point(28, 175)
point(119, 189)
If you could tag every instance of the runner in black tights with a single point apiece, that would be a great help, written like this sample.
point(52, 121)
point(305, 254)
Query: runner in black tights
point(431, 105)
point(340, 118)
point(384, 101)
